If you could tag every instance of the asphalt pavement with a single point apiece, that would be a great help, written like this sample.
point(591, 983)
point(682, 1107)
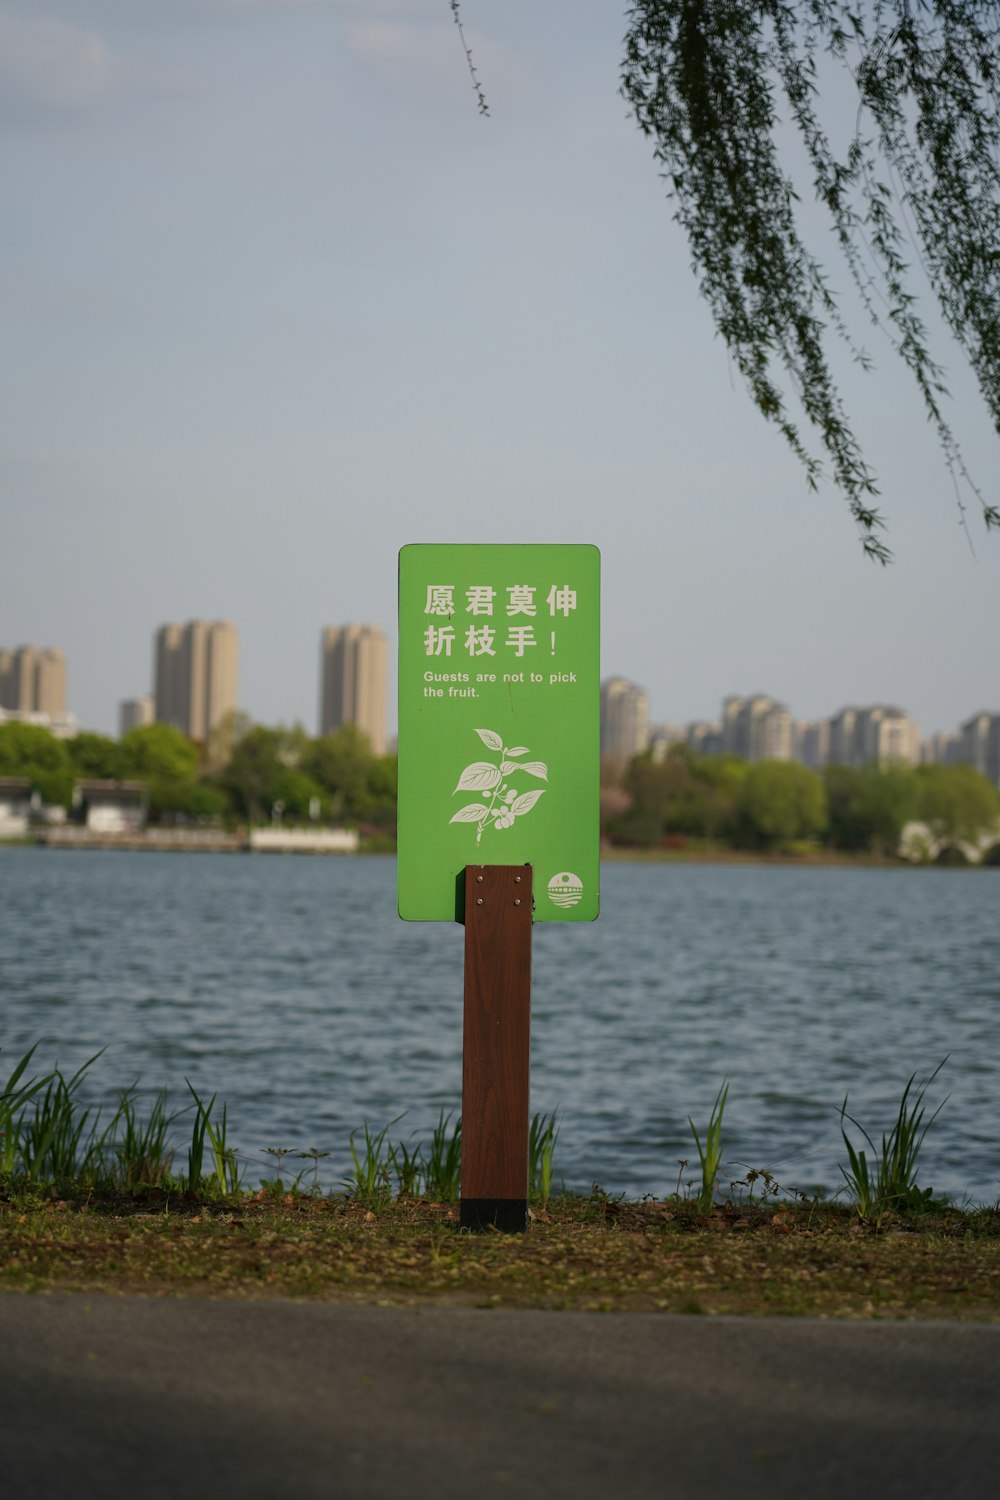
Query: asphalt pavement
point(103, 1398)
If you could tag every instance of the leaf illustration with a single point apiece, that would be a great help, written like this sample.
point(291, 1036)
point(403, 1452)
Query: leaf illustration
point(473, 812)
point(479, 777)
point(518, 750)
point(509, 767)
point(535, 768)
point(526, 802)
point(490, 740)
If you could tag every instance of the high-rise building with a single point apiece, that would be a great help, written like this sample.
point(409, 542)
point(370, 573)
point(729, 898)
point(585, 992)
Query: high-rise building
point(812, 743)
point(352, 681)
point(890, 735)
point(864, 736)
point(33, 681)
point(843, 726)
point(624, 720)
point(195, 675)
point(704, 737)
point(940, 749)
point(133, 713)
point(756, 728)
point(979, 745)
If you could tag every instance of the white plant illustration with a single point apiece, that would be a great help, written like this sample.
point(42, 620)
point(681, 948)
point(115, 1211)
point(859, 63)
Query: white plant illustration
point(502, 802)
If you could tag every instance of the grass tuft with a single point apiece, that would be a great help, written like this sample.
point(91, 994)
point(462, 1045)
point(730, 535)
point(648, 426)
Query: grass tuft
point(443, 1167)
point(142, 1153)
point(888, 1182)
point(370, 1180)
point(710, 1154)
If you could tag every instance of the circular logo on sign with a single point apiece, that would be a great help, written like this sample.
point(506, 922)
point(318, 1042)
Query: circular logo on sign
point(565, 889)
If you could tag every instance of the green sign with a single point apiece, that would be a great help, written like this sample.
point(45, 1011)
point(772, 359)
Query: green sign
point(499, 723)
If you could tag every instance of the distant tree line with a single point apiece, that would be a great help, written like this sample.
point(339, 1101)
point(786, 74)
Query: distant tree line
point(780, 805)
point(248, 773)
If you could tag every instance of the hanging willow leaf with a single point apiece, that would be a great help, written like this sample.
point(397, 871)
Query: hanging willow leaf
point(712, 83)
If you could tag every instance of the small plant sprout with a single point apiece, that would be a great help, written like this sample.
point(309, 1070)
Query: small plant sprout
point(502, 802)
point(276, 1186)
point(279, 1153)
point(888, 1182)
point(315, 1155)
point(542, 1136)
point(710, 1154)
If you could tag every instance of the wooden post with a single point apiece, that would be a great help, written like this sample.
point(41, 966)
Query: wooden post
point(495, 1051)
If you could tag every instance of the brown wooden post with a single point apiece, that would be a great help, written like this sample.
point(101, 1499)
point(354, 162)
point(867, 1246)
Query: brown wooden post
point(495, 1051)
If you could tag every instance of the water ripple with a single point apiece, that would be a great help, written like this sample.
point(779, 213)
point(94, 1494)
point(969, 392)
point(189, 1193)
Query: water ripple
point(291, 988)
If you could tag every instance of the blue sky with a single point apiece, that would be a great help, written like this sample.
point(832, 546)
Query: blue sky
point(277, 300)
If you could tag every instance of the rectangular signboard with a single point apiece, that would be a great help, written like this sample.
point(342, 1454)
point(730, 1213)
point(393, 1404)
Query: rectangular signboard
point(499, 723)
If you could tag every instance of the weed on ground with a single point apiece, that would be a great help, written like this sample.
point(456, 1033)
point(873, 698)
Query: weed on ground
point(594, 1253)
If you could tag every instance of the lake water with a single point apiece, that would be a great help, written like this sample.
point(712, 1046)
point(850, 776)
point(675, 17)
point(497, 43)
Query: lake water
point(290, 986)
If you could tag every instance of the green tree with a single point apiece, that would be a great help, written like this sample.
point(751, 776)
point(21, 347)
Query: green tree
point(957, 801)
point(31, 751)
point(383, 779)
point(663, 796)
point(297, 794)
point(158, 752)
point(781, 802)
point(684, 793)
point(719, 85)
point(869, 805)
point(167, 761)
point(252, 777)
point(722, 777)
point(174, 800)
point(225, 736)
point(94, 755)
point(343, 765)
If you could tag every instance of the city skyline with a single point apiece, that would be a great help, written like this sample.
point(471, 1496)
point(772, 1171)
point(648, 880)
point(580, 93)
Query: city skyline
point(759, 728)
point(488, 331)
point(352, 673)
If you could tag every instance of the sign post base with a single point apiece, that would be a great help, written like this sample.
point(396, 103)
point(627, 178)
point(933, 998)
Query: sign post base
point(495, 1051)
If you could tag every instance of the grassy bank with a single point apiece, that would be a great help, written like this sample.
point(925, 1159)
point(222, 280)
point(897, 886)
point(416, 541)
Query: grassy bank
point(116, 1204)
point(595, 1254)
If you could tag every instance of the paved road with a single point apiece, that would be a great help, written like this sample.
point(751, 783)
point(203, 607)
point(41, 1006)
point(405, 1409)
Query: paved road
point(124, 1398)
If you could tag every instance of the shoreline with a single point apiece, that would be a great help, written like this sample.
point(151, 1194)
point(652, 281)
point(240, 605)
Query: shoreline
point(214, 841)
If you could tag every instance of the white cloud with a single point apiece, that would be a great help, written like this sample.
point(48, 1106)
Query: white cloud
point(48, 65)
point(50, 68)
